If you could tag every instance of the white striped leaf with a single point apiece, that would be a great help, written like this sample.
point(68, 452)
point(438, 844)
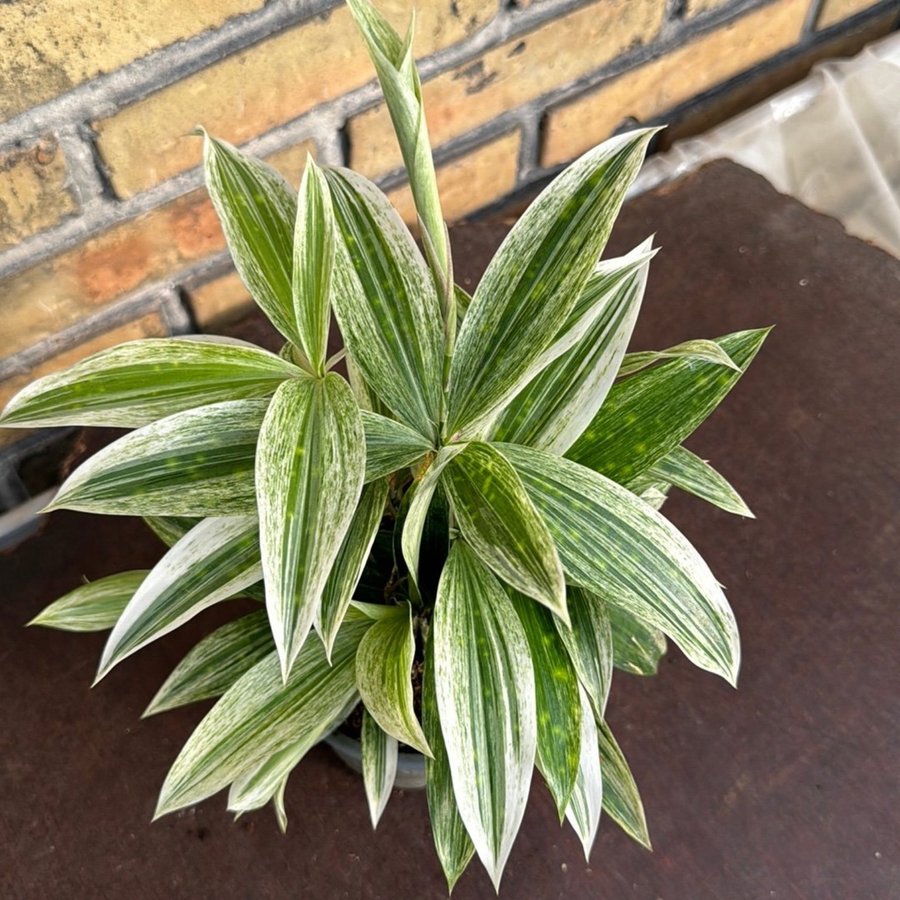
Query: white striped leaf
point(621, 800)
point(614, 544)
point(451, 840)
point(195, 463)
point(94, 606)
point(214, 664)
point(350, 562)
point(385, 302)
point(170, 529)
point(589, 645)
point(637, 647)
point(484, 685)
point(309, 472)
point(257, 210)
point(390, 445)
point(140, 381)
point(213, 561)
point(558, 404)
point(556, 696)
point(498, 520)
point(261, 715)
point(379, 765)
point(650, 414)
point(536, 277)
point(687, 471)
point(586, 805)
point(384, 677)
point(312, 266)
point(700, 349)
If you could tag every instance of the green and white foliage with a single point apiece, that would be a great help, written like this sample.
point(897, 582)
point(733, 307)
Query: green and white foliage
point(463, 536)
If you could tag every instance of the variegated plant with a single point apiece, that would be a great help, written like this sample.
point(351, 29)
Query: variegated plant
point(473, 507)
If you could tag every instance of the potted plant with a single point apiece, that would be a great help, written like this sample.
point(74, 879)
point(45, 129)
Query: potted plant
point(460, 539)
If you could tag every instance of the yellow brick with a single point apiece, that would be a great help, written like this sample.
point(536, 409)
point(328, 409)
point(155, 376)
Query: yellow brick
point(650, 90)
point(266, 85)
point(834, 11)
point(518, 71)
point(470, 182)
point(151, 325)
point(33, 190)
point(220, 301)
point(49, 46)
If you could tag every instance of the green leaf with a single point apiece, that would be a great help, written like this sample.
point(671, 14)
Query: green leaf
point(614, 544)
point(687, 471)
point(313, 263)
point(309, 472)
point(384, 677)
point(350, 562)
point(212, 562)
point(536, 277)
point(558, 705)
point(140, 381)
point(390, 445)
point(559, 403)
point(484, 683)
point(637, 648)
point(583, 811)
point(94, 606)
point(649, 415)
point(499, 521)
point(194, 463)
point(260, 716)
point(257, 210)
point(170, 529)
point(386, 303)
point(701, 349)
point(215, 663)
point(589, 645)
point(379, 765)
point(621, 800)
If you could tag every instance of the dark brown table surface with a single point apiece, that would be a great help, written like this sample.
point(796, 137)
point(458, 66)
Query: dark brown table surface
point(786, 788)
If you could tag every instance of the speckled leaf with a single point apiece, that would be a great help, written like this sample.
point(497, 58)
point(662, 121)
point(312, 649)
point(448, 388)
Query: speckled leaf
point(386, 303)
point(212, 562)
point(451, 840)
point(650, 414)
point(614, 544)
point(140, 381)
point(484, 683)
point(215, 663)
point(312, 267)
point(557, 702)
point(637, 647)
point(170, 529)
point(701, 349)
point(589, 645)
point(194, 463)
point(390, 445)
point(557, 405)
point(499, 522)
point(350, 562)
point(379, 765)
point(586, 805)
point(260, 716)
point(94, 606)
point(257, 209)
point(384, 677)
point(621, 800)
point(687, 471)
point(533, 282)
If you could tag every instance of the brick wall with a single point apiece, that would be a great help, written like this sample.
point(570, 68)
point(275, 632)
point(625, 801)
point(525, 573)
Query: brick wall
point(106, 232)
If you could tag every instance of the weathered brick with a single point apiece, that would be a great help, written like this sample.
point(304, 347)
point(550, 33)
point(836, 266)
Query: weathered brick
point(150, 325)
point(270, 83)
point(50, 46)
point(514, 73)
point(834, 11)
point(220, 301)
point(651, 89)
point(470, 182)
point(34, 193)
